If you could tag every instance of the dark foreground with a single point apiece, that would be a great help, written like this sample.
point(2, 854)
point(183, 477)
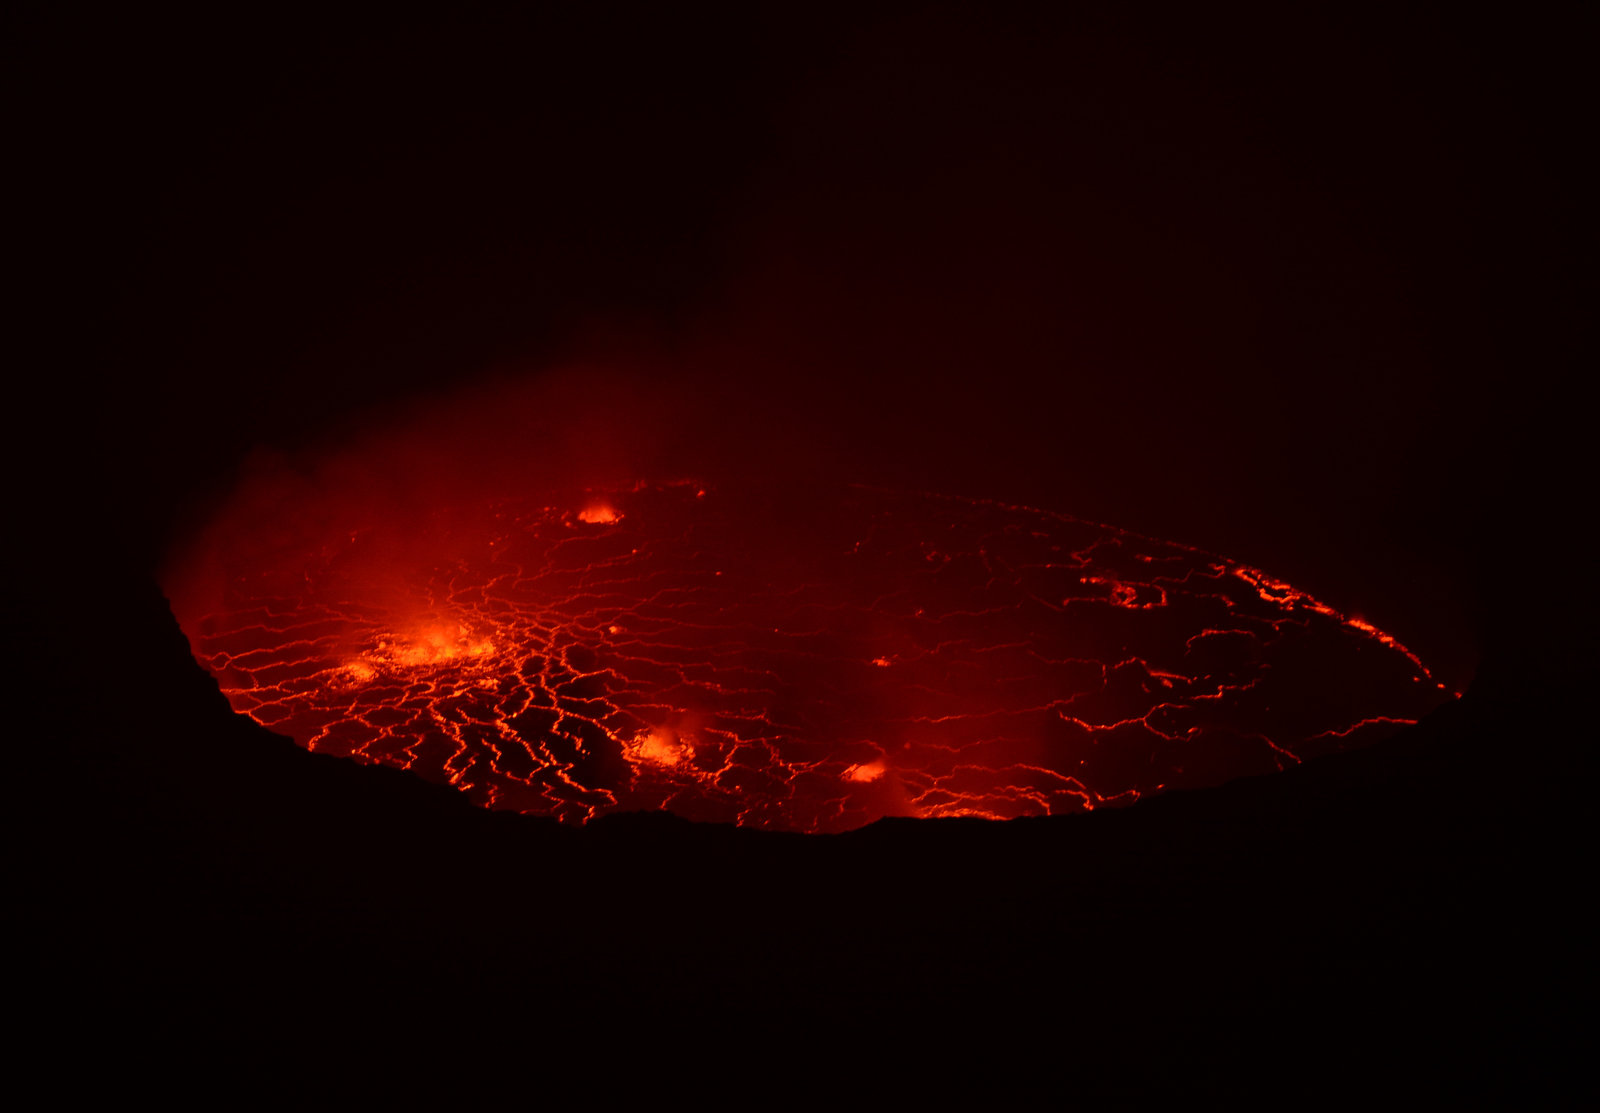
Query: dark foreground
point(219, 905)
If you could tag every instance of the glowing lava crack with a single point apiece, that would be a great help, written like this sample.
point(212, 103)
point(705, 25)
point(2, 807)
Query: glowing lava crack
point(787, 665)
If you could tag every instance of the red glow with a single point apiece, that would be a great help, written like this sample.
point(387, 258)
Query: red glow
point(599, 513)
point(811, 664)
point(871, 771)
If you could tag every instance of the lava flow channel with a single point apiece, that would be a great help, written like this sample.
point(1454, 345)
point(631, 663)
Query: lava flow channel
point(801, 665)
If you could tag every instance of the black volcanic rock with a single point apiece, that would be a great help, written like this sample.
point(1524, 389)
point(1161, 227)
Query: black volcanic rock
point(210, 881)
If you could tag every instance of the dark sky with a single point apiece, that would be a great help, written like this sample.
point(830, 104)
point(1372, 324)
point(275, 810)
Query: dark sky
point(1291, 285)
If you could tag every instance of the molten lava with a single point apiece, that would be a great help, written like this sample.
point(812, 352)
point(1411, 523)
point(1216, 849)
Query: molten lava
point(804, 664)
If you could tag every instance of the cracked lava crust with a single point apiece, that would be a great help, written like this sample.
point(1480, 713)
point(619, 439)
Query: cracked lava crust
point(802, 663)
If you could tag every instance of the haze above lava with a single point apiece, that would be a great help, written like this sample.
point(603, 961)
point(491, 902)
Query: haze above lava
point(787, 653)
